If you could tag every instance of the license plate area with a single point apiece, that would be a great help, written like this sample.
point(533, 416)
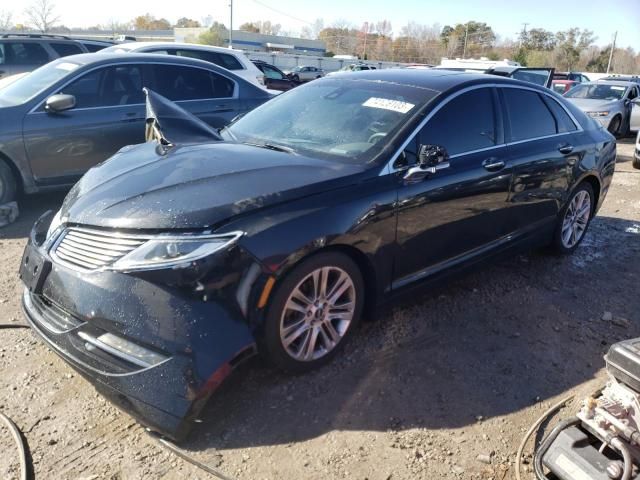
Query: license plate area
point(34, 269)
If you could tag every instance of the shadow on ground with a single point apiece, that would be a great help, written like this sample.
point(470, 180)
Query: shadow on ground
point(487, 344)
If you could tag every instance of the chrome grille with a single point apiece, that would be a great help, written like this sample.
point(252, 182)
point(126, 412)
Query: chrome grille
point(92, 249)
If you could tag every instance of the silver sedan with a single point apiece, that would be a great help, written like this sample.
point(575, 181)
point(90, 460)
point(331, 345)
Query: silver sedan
point(615, 104)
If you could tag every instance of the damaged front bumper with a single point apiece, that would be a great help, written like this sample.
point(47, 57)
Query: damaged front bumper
point(155, 350)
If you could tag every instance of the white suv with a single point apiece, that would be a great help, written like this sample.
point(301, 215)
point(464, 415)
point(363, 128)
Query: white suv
point(234, 60)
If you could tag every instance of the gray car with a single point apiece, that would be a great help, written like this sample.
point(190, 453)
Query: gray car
point(75, 112)
point(304, 73)
point(614, 104)
point(25, 52)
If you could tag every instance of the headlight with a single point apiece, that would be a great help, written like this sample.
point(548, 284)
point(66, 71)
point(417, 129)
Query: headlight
point(598, 114)
point(56, 221)
point(174, 251)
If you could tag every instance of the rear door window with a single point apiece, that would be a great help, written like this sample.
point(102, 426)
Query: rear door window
point(108, 87)
point(66, 49)
point(528, 115)
point(189, 83)
point(25, 53)
point(222, 59)
point(465, 124)
point(564, 123)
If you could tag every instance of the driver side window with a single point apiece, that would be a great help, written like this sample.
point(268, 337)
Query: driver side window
point(633, 93)
point(464, 124)
point(105, 87)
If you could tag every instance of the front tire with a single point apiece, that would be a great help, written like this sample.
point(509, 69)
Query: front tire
point(614, 126)
point(574, 219)
point(313, 312)
point(636, 163)
point(7, 184)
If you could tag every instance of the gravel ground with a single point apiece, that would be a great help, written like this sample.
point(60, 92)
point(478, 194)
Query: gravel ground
point(442, 387)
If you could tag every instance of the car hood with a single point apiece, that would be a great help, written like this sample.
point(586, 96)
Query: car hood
point(148, 186)
point(592, 104)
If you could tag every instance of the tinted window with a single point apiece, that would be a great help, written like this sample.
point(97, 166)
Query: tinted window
point(230, 62)
point(563, 120)
point(19, 53)
point(65, 49)
point(272, 73)
point(528, 115)
point(188, 83)
point(466, 123)
point(222, 59)
point(92, 47)
point(633, 93)
point(539, 77)
point(108, 87)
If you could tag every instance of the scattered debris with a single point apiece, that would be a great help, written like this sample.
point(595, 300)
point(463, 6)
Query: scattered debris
point(8, 213)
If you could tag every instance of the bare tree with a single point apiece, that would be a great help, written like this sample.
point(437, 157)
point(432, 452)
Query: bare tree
point(41, 15)
point(6, 22)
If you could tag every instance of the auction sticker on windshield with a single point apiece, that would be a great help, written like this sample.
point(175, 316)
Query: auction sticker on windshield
point(618, 88)
point(388, 104)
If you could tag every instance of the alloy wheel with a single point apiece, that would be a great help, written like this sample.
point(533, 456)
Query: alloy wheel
point(317, 314)
point(576, 219)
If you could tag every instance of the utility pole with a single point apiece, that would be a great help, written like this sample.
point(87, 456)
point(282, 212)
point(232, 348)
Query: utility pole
point(523, 35)
point(613, 47)
point(466, 33)
point(364, 49)
point(231, 25)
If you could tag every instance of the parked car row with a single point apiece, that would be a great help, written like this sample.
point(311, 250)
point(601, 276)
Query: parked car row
point(75, 112)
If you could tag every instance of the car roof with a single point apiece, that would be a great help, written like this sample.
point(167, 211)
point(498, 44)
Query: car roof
point(434, 79)
point(99, 58)
point(619, 83)
point(37, 39)
point(196, 46)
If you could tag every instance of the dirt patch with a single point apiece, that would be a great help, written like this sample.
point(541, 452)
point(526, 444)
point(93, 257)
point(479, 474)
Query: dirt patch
point(443, 387)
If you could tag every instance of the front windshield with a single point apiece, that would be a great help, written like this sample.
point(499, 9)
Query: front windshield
point(597, 91)
point(27, 87)
point(341, 119)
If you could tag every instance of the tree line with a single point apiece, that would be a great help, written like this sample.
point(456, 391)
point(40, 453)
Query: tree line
point(571, 49)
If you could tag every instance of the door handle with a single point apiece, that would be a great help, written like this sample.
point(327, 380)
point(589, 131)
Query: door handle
point(493, 164)
point(565, 149)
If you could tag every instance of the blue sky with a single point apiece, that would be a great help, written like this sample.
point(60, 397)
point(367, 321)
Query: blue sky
point(505, 16)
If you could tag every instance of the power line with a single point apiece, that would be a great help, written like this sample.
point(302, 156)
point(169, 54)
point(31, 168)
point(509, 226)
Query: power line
point(281, 12)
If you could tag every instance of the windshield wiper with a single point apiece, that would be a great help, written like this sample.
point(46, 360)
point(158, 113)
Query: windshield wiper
point(272, 146)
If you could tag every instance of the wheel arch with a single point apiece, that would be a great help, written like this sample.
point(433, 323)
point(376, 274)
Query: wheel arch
point(15, 171)
point(364, 263)
point(592, 180)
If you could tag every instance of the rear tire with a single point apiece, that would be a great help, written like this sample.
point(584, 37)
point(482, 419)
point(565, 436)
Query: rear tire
point(636, 163)
point(7, 183)
point(574, 219)
point(313, 312)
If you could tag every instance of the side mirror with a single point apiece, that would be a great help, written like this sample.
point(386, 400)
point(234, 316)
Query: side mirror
point(59, 102)
point(431, 158)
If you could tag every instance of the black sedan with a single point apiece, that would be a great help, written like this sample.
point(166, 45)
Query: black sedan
point(174, 261)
